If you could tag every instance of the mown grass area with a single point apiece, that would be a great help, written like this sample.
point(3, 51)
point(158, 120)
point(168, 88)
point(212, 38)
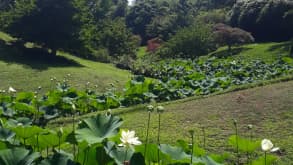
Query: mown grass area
point(26, 69)
point(268, 108)
point(268, 52)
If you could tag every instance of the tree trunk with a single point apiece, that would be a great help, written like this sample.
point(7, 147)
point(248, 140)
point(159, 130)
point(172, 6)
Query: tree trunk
point(291, 49)
point(54, 51)
point(230, 49)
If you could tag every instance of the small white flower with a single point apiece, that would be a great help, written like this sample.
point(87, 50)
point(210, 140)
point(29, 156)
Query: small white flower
point(267, 146)
point(12, 90)
point(128, 138)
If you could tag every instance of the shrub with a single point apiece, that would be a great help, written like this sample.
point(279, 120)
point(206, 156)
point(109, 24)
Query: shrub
point(226, 35)
point(190, 42)
point(153, 44)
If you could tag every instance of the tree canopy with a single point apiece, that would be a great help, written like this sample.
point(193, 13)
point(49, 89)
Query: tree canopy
point(267, 20)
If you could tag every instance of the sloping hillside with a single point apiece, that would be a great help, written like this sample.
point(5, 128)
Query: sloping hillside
point(27, 69)
point(268, 108)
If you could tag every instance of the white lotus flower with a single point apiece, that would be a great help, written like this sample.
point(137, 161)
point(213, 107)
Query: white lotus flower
point(128, 138)
point(12, 90)
point(267, 146)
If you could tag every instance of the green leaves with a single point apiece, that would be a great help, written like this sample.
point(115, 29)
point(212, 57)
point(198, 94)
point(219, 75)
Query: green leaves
point(17, 156)
point(96, 129)
point(27, 132)
point(244, 145)
point(58, 159)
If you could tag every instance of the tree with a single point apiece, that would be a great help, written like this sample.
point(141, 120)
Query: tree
point(190, 42)
point(4, 4)
point(140, 15)
point(48, 23)
point(265, 19)
point(226, 35)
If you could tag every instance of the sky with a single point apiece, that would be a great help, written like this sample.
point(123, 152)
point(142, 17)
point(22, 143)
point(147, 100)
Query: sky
point(131, 2)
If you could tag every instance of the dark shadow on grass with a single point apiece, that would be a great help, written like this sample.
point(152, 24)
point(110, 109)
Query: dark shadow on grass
point(225, 53)
point(282, 47)
point(35, 58)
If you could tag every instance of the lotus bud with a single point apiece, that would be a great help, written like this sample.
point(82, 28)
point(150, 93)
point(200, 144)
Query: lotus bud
point(191, 132)
point(60, 132)
point(19, 124)
point(160, 109)
point(1, 123)
point(73, 107)
point(109, 112)
point(234, 122)
point(150, 108)
point(249, 126)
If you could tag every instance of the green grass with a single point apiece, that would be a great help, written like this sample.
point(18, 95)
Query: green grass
point(26, 69)
point(267, 52)
point(5, 37)
point(268, 108)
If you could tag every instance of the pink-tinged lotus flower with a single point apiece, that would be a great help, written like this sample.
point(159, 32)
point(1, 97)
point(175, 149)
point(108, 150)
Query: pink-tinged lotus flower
point(128, 138)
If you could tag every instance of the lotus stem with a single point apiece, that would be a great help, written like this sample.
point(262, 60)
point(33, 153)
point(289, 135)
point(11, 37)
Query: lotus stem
point(59, 143)
point(125, 157)
point(147, 133)
point(265, 158)
point(204, 137)
point(47, 151)
point(38, 147)
point(192, 144)
point(158, 138)
point(237, 144)
point(85, 156)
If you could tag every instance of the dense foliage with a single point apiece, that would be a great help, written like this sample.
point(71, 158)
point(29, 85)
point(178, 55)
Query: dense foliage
point(267, 20)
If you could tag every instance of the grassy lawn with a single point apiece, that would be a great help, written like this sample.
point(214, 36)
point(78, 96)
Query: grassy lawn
point(267, 52)
point(27, 69)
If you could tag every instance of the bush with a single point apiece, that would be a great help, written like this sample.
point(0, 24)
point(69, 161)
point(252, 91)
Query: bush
point(190, 42)
point(226, 35)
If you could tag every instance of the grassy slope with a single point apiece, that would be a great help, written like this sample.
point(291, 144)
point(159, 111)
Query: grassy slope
point(27, 74)
point(267, 52)
point(268, 108)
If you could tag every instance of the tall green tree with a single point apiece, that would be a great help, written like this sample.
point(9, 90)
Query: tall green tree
point(265, 19)
point(48, 23)
point(140, 16)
